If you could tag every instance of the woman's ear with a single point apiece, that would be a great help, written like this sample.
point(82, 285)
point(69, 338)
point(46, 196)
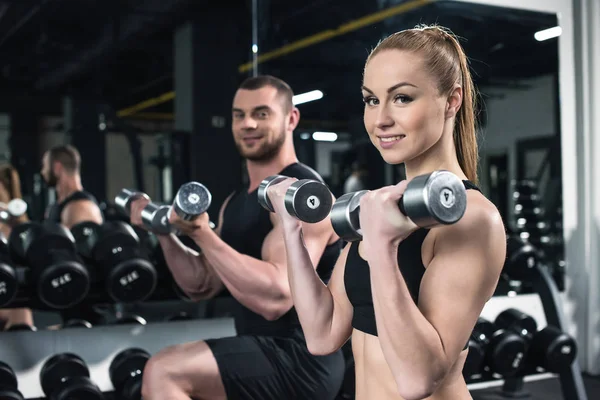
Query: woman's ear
point(454, 101)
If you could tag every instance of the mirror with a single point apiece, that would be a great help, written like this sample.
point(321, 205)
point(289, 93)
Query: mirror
point(514, 60)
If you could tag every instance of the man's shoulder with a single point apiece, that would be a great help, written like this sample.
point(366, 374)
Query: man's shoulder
point(301, 171)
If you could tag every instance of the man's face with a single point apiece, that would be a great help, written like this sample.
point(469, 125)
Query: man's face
point(47, 172)
point(260, 123)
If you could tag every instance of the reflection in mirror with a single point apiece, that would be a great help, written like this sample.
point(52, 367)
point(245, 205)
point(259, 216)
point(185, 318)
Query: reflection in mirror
point(513, 55)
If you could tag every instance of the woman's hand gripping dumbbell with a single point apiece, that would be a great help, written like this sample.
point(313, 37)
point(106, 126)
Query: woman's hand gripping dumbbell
point(428, 200)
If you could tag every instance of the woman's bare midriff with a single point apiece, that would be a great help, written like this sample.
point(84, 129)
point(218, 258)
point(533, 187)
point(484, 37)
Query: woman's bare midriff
point(374, 379)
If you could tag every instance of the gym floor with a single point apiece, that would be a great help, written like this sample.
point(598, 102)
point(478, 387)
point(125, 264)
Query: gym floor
point(546, 389)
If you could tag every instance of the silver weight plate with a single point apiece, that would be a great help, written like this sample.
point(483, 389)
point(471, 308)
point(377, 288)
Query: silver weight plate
point(345, 216)
point(308, 200)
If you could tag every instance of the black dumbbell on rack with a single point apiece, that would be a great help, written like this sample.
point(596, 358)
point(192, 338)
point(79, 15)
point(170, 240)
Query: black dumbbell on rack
point(114, 249)
point(57, 274)
point(494, 350)
point(9, 282)
point(66, 376)
point(8, 384)
point(126, 371)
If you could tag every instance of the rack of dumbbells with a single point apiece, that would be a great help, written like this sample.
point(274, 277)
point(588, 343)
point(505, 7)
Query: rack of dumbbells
point(113, 265)
point(512, 346)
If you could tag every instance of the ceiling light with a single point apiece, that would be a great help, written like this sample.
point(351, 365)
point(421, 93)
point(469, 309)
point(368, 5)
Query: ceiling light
point(306, 97)
point(548, 33)
point(325, 136)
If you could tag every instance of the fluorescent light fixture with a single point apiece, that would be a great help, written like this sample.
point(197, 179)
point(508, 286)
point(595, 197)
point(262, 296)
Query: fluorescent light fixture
point(306, 97)
point(254, 48)
point(305, 136)
point(325, 136)
point(548, 33)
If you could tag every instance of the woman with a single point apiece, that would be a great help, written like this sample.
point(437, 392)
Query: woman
point(10, 188)
point(408, 297)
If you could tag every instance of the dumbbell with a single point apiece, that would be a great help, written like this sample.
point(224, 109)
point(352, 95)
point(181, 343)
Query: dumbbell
point(498, 350)
point(552, 349)
point(59, 277)
point(66, 376)
point(115, 249)
point(521, 258)
point(192, 199)
point(156, 219)
point(8, 384)
point(126, 371)
point(9, 283)
point(518, 322)
point(307, 200)
point(429, 200)
point(125, 197)
point(76, 323)
point(14, 209)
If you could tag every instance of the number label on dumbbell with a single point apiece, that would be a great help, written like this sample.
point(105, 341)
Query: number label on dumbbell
point(313, 202)
point(61, 281)
point(517, 361)
point(129, 278)
point(164, 220)
point(116, 250)
point(447, 198)
point(87, 231)
point(193, 198)
point(2, 287)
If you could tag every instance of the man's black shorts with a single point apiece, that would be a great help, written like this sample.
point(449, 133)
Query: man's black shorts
point(276, 368)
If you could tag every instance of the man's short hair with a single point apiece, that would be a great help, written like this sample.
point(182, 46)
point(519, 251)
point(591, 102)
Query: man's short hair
point(283, 89)
point(67, 155)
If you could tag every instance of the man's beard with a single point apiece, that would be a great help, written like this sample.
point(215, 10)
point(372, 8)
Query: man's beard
point(266, 152)
point(52, 180)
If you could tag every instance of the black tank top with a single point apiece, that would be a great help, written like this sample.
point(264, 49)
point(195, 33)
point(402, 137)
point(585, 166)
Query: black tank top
point(245, 225)
point(357, 279)
point(55, 211)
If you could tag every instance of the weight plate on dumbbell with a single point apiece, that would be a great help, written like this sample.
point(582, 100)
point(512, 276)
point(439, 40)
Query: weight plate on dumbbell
point(86, 235)
point(9, 284)
point(21, 237)
point(192, 199)
point(263, 198)
point(79, 387)
point(345, 216)
point(436, 198)
point(17, 207)
point(10, 394)
point(63, 284)
point(7, 376)
point(127, 363)
point(156, 218)
point(61, 366)
point(308, 200)
point(131, 281)
point(125, 197)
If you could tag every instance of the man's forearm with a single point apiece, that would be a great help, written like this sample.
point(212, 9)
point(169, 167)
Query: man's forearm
point(253, 282)
point(189, 269)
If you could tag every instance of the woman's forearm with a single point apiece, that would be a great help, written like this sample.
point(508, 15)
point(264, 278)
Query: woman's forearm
point(312, 299)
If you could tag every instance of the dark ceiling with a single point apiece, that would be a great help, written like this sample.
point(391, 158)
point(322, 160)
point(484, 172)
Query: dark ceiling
point(122, 50)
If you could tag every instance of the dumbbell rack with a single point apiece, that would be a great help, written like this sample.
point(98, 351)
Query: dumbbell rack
point(27, 351)
point(571, 380)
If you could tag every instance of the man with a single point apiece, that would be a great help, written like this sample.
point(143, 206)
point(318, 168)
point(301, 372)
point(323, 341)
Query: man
point(268, 359)
point(356, 181)
point(61, 170)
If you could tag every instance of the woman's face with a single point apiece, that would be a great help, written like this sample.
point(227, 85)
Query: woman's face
point(404, 112)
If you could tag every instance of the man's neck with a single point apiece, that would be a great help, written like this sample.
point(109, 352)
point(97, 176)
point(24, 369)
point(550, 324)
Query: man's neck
point(66, 187)
point(257, 171)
